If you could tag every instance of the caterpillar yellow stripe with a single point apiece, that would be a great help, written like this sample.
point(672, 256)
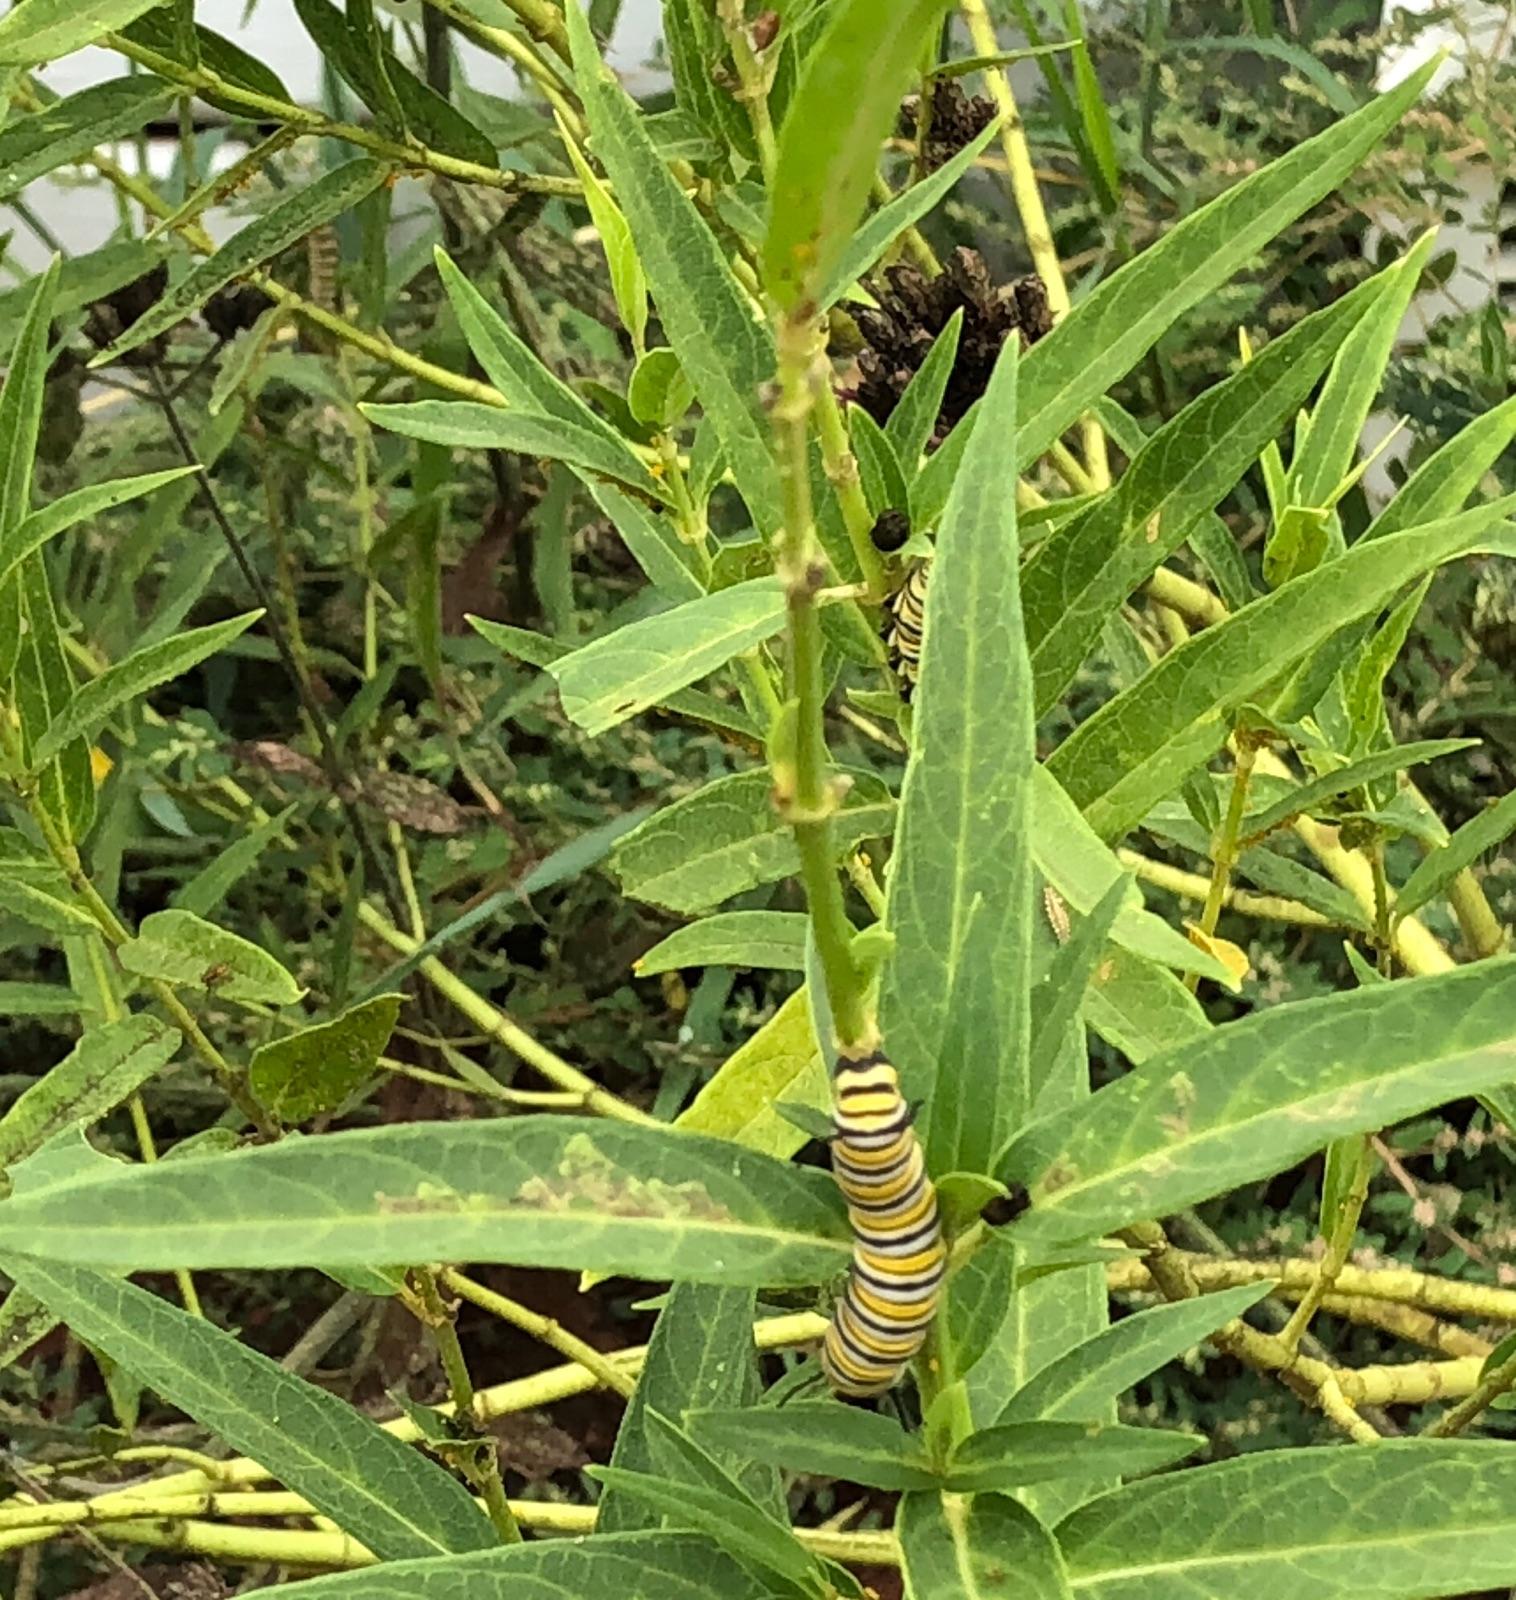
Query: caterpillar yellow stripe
point(898, 1252)
point(905, 617)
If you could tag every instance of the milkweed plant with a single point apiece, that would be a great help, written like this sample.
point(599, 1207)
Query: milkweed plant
point(883, 513)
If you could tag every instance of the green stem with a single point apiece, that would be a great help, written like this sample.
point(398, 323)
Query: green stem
point(842, 474)
point(483, 1464)
point(116, 933)
point(1496, 1382)
point(1481, 928)
point(754, 90)
point(501, 1029)
point(1339, 1242)
point(801, 783)
point(268, 108)
point(1384, 932)
point(1224, 852)
point(545, 1329)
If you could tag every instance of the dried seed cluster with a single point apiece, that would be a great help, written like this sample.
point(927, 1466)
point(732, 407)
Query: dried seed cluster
point(957, 119)
point(913, 310)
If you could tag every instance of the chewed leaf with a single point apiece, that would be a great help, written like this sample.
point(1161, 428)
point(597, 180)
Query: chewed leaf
point(536, 1191)
point(315, 1070)
point(180, 948)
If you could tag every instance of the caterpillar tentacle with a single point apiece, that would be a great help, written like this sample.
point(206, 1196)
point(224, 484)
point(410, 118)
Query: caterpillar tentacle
point(898, 1252)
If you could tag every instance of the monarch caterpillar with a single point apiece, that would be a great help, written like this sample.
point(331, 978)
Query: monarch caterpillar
point(905, 615)
point(898, 1253)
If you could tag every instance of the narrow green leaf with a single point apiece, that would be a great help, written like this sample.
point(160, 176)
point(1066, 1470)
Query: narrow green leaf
point(653, 541)
point(1409, 1517)
point(516, 370)
point(1139, 1008)
point(1079, 1384)
point(953, 996)
point(634, 1566)
point(615, 677)
point(37, 999)
point(303, 210)
point(1137, 747)
point(658, 393)
point(748, 939)
point(92, 705)
point(727, 837)
point(781, 1065)
point(210, 886)
point(1259, 1095)
point(699, 1355)
point(303, 1074)
point(375, 89)
point(1446, 479)
point(382, 1492)
point(1080, 574)
point(1057, 999)
point(1110, 330)
point(45, 910)
point(62, 132)
point(1440, 866)
point(1337, 93)
point(957, 1549)
point(180, 948)
point(821, 1437)
point(628, 283)
point(44, 30)
point(1308, 798)
point(33, 531)
point(395, 93)
point(1013, 1455)
point(156, 30)
point(675, 1454)
point(880, 230)
point(568, 861)
point(108, 1065)
point(883, 477)
point(1094, 115)
point(863, 62)
point(915, 415)
point(725, 348)
point(753, 1540)
point(20, 418)
point(538, 651)
point(1331, 444)
point(1071, 856)
point(536, 1191)
point(1360, 683)
point(469, 425)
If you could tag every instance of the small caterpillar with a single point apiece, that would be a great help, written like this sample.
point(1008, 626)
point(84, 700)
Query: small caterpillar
point(905, 613)
point(899, 1257)
point(905, 609)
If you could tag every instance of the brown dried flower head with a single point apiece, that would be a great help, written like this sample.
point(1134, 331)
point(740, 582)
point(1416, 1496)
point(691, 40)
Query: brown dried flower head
point(913, 310)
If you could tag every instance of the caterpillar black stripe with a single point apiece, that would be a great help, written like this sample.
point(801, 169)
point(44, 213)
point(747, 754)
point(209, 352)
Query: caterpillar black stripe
point(905, 616)
point(898, 1252)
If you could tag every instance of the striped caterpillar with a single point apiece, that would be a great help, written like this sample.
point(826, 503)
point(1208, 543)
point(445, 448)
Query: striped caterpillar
point(906, 617)
point(898, 1252)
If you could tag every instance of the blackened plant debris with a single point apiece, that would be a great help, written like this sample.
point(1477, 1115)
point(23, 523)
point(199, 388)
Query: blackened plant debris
point(955, 121)
point(914, 309)
point(110, 317)
point(231, 310)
